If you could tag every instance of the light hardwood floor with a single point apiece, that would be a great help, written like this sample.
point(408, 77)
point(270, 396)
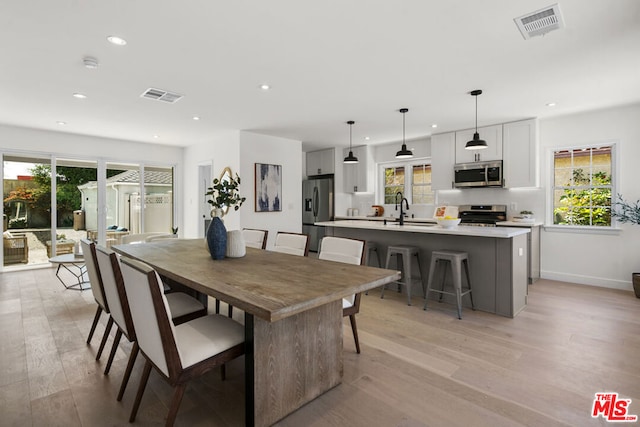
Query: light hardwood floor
point(417, 368)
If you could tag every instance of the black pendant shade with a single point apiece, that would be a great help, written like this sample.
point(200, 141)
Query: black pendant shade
point(404, 153)
point(476, 143)
point(350, 158)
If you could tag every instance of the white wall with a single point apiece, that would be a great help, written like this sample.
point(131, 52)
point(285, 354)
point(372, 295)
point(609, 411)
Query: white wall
point(222, 151)
point(35, 141)
point(595, 259)
point(256, 148)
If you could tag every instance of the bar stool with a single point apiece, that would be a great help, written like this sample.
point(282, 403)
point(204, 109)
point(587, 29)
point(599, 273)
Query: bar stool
point(372, 248)
point(455, 259)
point(406, 254)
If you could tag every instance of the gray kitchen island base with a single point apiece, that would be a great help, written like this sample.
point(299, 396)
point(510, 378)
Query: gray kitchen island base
point(497, 261)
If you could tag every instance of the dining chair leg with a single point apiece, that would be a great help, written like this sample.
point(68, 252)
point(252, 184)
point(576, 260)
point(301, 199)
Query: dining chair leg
point(104, 337)
point(143, 384)
point(354, 328)
point(217, 306)
point(114, 348)
point(230, 310)
point(94, 324)
point(175, 404)
point(127, 372)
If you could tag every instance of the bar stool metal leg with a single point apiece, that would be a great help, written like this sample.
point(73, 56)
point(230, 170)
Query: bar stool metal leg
point(455, 259)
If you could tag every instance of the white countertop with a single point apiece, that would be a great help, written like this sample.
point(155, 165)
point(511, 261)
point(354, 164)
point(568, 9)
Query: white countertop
point(497, 232)
point(533, 223)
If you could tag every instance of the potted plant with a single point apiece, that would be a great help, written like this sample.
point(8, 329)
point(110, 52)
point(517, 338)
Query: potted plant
point(526, 214)
point(224, 194)
point(627, 212)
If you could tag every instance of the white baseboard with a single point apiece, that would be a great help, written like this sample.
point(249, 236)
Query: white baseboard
point(588, 280)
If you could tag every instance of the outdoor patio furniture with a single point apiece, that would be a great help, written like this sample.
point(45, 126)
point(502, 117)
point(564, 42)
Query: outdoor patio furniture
point(114, 237)
point(62, 247)
point(16, 248)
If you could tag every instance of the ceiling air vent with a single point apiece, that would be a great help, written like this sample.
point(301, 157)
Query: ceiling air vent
point(161, 95)
point(540, 22)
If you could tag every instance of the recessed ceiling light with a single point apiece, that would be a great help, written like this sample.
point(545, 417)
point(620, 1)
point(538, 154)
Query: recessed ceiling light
point(156, 136)
point(196, 118)
point(551, 104)
point(434, 126)
point(117, 40)
point(265, 87)
point(367, 138)
point(61, 123)
point(79, 95)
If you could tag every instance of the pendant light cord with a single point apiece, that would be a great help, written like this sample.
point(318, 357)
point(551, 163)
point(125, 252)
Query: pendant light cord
point(350, 129)
point(476, 113)
point(403, 115)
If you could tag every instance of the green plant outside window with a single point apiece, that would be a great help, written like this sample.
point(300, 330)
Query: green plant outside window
point(583, 187)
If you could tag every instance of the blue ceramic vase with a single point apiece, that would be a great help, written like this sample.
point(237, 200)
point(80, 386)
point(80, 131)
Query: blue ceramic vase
point(217, 238)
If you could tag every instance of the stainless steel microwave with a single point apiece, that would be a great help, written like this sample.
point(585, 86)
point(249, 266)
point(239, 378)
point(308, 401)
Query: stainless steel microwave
point(478, 174)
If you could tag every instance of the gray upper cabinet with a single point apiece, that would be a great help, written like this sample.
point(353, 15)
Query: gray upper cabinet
point(491, 134)
point(443, 152)
point(520, 151)
point(321, 162)
point(358, 177)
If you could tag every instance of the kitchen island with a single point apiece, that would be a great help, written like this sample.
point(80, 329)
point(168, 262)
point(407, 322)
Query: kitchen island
point(497, 256)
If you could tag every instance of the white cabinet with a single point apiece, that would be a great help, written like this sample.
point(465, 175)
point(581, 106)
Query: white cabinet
point(520, 151)
point(491, 134)
point(442, 160)
point(358, 177)
point(320, 162)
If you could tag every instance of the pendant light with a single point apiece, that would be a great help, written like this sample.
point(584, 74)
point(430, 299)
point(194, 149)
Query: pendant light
point(476, 143)
point(404, 153)
point(350, 158)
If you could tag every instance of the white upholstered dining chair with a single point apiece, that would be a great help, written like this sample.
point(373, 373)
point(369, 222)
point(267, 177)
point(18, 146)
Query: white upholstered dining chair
point(157, 237)
point(183, 308)
point(349, 251)
point(255, 238)
point(291, 243)
point(179, 353)
point(95, 279)
point(141, 237)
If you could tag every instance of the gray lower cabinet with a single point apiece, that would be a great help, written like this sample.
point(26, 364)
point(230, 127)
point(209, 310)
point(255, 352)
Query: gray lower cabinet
point(533, 245)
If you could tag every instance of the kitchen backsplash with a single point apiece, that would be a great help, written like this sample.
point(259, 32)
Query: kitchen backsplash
point(521, 199)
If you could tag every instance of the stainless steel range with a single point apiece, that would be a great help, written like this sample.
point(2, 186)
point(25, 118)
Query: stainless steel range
point(482, 215)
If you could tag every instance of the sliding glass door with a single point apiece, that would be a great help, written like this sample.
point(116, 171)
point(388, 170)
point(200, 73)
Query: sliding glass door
point(26, 198)
point(45, 217)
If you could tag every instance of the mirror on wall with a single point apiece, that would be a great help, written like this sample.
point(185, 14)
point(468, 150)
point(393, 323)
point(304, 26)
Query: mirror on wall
point(226, 175)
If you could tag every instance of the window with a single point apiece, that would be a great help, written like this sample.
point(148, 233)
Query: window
point(582, 186)
point(421, 185)
point(416, 185)
point(393, 182)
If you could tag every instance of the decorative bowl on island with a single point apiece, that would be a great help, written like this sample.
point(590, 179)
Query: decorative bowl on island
point(448, 222)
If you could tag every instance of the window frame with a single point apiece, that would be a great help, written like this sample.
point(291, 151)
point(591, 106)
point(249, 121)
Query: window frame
point(551, 187)
point(408, 180)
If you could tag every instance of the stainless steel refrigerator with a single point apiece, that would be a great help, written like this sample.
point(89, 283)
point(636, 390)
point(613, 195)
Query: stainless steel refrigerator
point(317, 199)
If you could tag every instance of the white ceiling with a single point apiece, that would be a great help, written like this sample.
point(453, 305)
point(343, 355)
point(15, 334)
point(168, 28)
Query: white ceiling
point(326, 61)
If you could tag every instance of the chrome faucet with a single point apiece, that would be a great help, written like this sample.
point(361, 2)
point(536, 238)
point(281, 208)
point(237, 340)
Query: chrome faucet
point(406, 203)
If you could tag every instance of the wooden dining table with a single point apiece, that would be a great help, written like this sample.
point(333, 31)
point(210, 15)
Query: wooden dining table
point(292, 315)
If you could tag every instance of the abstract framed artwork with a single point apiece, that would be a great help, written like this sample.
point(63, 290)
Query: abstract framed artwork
point(268, 188)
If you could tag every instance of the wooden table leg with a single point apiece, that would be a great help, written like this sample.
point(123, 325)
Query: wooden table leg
point(293, 360)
